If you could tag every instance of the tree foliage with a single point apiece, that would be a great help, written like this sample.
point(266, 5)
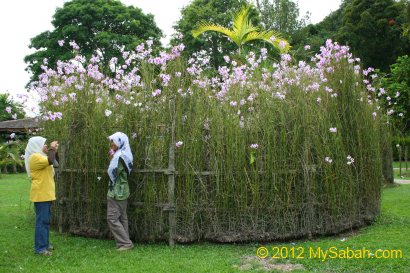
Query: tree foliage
point(315, 35)
point(10, 109)
point(397, 87)
point(10, 153)
point(371, 28)
point(282, 15)
point(406, 24)
point(95, 25)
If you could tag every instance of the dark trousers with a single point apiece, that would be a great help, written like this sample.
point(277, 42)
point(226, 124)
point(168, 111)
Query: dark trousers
point(118, 221)
point(42, 230)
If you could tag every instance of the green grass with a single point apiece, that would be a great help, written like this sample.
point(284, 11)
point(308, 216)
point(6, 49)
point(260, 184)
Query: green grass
point(396, 164)
point(77, 254)
point(405, 175)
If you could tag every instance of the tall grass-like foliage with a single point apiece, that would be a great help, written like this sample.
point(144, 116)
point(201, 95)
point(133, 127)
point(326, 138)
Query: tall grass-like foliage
point(261, 151)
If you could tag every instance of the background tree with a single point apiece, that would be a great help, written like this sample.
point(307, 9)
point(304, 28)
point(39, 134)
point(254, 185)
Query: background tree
point(406, 24)
point(397, 87)
point(11, 150)
point(282, 15)
point(371, 28)
point(95, 25)
point(10, 155)
point(315, 35)
point(10, 109)
point(214, 11)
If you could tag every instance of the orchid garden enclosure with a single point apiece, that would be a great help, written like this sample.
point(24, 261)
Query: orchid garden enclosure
point(260, 150)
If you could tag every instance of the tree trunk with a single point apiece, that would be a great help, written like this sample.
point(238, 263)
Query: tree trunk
point(387, 158)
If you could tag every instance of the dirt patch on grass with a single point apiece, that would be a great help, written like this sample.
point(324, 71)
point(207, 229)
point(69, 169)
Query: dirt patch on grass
point(255, 263)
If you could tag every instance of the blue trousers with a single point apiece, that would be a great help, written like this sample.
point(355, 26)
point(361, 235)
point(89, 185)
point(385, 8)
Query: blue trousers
point(42, 230)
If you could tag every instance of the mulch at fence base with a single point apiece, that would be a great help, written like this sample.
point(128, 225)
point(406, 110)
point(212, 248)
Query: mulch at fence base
point(229, 236)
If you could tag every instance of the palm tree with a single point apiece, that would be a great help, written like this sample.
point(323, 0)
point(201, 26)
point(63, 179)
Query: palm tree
point(244, 31)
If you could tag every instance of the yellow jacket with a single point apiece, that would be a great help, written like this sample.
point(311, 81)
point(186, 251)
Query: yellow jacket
point(42, 179)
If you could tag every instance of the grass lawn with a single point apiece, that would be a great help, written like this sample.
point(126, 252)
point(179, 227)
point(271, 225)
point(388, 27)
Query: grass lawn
point(396, 164)
point(76, 254)
point(405, 175)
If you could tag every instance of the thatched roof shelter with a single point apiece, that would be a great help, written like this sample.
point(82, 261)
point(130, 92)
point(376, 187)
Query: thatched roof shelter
point(19, 125)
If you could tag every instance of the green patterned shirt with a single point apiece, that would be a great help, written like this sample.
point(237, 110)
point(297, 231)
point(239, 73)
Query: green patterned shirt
point(121, 190)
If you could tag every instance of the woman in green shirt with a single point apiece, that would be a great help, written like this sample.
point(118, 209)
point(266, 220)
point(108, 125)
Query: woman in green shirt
point(121, 163)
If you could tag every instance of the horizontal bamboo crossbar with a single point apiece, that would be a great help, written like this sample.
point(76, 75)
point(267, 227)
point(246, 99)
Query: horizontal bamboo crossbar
point(163, 206)
point(310, 168)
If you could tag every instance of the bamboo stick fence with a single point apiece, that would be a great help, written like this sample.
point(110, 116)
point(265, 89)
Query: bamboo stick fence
point(293, 203)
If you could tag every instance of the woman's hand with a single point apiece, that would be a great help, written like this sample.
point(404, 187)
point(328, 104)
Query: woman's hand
point(110, 154)
point(54, 145)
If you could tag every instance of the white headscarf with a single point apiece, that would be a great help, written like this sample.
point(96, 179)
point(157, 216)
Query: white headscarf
point(34, 145)
point(123, 151)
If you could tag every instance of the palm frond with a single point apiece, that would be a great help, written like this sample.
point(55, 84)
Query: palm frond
point(241, 18)
point(12, 156)
point(281, 44)
point(243, 31)
point(272, 37)
point(204, 27)
point(242, 25)
point(255, 35)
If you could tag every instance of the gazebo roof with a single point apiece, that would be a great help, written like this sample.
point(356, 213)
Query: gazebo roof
point(18, 125)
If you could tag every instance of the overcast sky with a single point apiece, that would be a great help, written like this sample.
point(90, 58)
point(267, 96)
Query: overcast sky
point(21, 20)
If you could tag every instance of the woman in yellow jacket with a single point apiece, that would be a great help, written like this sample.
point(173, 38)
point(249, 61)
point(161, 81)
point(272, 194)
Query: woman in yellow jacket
point(39, 160)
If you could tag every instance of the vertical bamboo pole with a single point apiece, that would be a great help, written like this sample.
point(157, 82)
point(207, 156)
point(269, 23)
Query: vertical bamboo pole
point(400, 161)
point(309, 189)
point(61, 191)
point(171, 176)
